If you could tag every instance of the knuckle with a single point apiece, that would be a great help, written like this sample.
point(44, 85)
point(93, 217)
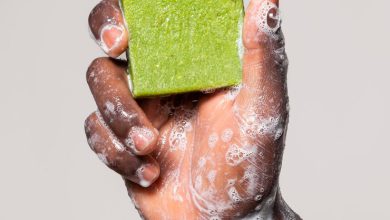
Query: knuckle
point(116, 111)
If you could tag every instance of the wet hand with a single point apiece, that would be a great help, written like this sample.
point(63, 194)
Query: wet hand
point(200, 155)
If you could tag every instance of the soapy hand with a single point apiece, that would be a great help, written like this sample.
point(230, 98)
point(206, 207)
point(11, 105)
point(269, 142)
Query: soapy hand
point(201, 155)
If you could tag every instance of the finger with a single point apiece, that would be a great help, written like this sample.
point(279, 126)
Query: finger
point(262, 99)
point(157, 110)
point(108, 28)
point(108, 82)
point(264, 61)
point(141, 170)
point(261, 23)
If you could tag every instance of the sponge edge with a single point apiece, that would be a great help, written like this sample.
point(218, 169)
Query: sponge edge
point(183, 46)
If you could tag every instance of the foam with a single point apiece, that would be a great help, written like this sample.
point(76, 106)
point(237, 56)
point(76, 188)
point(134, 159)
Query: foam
point(182, 124)
point(255, 125)
point(118, 145)
point(264, 211)
point(251, 178)
point(234, 195)
point(207, 207)
point(227, 135)
point(211, 176)
point(233, 92)
point(235, 154)
point(212, 141)
point(140, 174)
point(198, 182)
point(112, 111)
point(110, 108)
point(264, 14)
point(143, 131)
point(201, 162)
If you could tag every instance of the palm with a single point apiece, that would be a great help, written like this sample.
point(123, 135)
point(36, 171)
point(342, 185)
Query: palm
point(220, 148)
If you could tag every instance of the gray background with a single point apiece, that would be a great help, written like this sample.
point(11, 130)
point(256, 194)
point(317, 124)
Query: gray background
point(337, 157)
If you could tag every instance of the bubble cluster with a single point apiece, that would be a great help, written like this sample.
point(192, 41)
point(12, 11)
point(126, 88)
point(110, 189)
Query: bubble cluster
point(201, 162)
point(265, 210)
point(182, 124)
point(140, 174)
point(227, 135)
point(163, 139)
point(250, 178)
point(211, 176)
point(144, 132)
point(233, 195)
point(208, 204)
point(253, 125)
point(213, 138)
point(258, 197)
point(233, 92)
point(198, 183)
point(235, 155)
point(268, 18)
point(129, 142)
point(213, 213)
point(177, 140)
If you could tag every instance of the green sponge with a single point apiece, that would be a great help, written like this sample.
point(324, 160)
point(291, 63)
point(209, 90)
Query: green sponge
point(178, 46)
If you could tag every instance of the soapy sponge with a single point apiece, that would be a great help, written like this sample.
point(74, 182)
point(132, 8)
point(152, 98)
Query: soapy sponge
point(178, 46)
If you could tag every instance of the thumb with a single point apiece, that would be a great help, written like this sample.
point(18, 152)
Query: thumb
point(263, 95)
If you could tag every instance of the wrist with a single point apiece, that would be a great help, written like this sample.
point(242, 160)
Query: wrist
point(273, 207)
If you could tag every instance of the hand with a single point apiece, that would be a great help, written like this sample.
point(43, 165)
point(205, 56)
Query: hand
point(195, 156)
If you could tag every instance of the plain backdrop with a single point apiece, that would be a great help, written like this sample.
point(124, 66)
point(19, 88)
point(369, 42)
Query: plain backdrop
point(336, 162)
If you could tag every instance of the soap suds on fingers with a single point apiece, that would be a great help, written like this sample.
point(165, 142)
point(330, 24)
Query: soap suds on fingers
point(142, 180)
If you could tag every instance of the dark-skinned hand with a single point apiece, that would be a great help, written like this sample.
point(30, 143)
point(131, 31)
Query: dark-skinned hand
point(199, 155)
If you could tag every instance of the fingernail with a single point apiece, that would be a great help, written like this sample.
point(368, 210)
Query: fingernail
point(147, 174)
point(139, 139)
point(110, 37)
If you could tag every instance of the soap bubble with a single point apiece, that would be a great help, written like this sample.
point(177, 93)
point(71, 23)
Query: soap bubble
point(268, 18)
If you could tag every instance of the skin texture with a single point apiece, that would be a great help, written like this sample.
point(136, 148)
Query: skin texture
point(196, 156)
